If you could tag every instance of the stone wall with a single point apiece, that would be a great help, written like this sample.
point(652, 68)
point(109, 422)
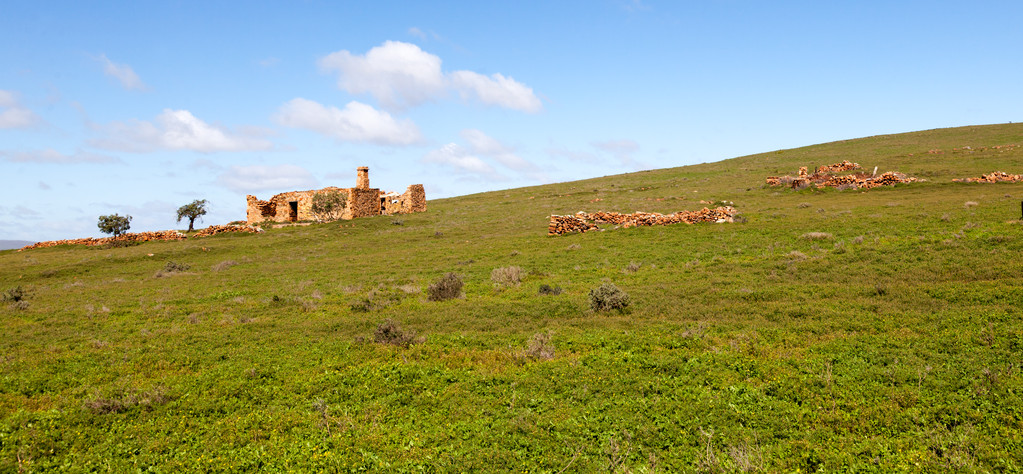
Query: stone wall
point(413, 200)
point(279, 207)
point(362, 203)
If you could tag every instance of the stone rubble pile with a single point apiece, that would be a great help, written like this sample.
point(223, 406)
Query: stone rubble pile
point(145, 236)
point(220, 229)
point(584, 222)
point(127, 237)
point(823, 177)
point(996, 177)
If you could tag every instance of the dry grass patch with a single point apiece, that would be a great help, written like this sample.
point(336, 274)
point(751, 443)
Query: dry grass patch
point(817, 236)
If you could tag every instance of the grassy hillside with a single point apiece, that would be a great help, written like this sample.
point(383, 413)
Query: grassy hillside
point(833, 330)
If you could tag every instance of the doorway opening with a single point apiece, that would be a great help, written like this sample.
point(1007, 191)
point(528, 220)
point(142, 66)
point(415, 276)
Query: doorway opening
point(294, 211)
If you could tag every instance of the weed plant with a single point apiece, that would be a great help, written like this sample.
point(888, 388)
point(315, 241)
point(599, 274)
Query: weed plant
point(448, 287)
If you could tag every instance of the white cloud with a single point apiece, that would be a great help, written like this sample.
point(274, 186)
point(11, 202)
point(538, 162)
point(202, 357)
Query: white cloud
point(395, 73)
point(266, 178)
point(177, 130)
point(414, 31)
point(623, 151)
point(401, 75)
point(496, 90)
point(579, 156)
point(13, 114)
point(123, 73)
point(461, 160)
point(482, 144)
point(50, 155)
point(357, 122)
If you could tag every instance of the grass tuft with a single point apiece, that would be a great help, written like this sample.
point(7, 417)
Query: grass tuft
point(507, 276)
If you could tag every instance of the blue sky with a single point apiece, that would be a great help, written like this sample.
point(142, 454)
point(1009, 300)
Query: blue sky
point(141, 107)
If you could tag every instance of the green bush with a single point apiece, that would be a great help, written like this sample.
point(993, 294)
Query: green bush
point(448, 287)
point(607, 296)
point(329, 205)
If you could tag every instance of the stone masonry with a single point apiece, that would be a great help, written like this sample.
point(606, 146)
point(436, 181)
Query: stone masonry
point(362, 201)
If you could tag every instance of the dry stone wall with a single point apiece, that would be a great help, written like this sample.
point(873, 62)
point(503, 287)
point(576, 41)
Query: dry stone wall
point(145, 236)
point(585, 222)
point(996, 177)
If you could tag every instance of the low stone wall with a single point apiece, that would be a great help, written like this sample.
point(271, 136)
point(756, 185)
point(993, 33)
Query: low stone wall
point(584, 222)
point(127, 237)
point(146, 236)
point(996, 177)
point(220, 229)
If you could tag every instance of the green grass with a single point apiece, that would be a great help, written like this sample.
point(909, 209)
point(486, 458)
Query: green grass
point(893, 344)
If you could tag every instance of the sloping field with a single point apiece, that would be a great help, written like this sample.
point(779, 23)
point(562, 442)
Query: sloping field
point(835, 330)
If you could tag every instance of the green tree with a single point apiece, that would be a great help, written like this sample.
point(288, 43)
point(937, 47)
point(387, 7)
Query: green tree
point(114, 224)
point(192, 211)
point(329, 205)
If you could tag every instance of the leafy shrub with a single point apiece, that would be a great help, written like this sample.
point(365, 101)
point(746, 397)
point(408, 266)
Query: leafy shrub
point(539, 347)
point(607, 296)
point(546, 289)
point(390, 332)
point(14, 295)
point(448, 287)
point(507, 276)
point(329, 205)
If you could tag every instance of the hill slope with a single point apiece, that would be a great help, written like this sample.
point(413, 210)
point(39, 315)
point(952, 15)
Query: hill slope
point(833, 329)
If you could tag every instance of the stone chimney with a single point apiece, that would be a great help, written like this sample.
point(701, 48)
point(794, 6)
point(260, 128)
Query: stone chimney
point(362, 181)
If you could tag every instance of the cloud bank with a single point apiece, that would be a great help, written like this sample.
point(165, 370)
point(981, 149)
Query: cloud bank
point(13, 114)
point(401, 75)
point(357, 122)
point(266, 178)
point(50, 155)
point(176, 130)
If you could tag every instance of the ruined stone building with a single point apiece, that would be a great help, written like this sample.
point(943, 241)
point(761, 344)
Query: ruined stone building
point(362, 201)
